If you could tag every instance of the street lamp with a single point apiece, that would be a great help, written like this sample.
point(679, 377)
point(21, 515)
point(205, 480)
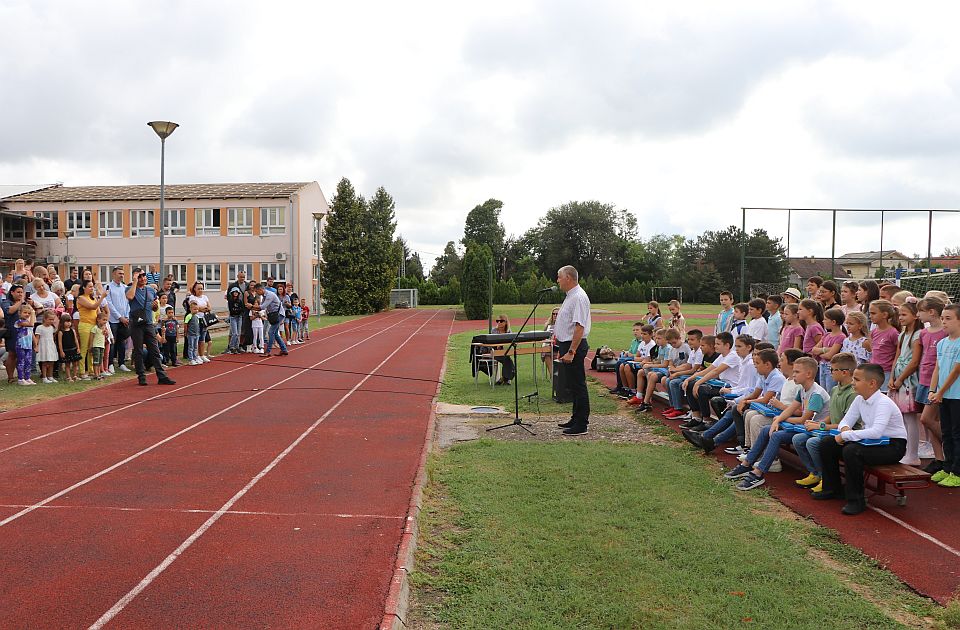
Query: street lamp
point(163, 129)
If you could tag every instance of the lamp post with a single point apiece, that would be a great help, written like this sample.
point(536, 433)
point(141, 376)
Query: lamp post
point(163, 129)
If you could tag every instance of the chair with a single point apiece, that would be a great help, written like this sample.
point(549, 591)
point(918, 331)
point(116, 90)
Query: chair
point(492, 371)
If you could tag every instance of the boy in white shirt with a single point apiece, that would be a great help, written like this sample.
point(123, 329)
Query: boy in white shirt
point(727, 368)
point(678, 374)
point(676, 355)
point(757, 328)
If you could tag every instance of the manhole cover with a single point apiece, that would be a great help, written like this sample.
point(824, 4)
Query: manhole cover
point(483, 409)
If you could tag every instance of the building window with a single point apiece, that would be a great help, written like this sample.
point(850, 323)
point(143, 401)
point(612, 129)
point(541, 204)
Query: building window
point(14, 229)
point(209, 275)
point(104, 273)
point(78, 222)
point(175, 223)
point(141, 223)
point(317, 235)
point(277, 271)
point(179, 273)
point(239, 221)
point(234, 268)
point(49, 226)
point(271, 221)
point(208, 221)
point(111, 224)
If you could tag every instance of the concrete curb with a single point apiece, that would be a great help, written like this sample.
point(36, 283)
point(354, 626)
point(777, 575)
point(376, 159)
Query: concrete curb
point(398, 597)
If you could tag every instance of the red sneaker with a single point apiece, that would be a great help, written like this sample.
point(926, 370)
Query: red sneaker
point(635, 401)
point(672, 413)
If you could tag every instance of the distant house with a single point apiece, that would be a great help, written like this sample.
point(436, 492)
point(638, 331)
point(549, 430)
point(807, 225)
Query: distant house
point(803, 268)
point(945, 262)
point(861, 265)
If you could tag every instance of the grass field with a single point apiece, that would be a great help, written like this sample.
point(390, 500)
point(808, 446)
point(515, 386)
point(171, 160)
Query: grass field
point(697, 312)
point(597, 535)
point(13, 396)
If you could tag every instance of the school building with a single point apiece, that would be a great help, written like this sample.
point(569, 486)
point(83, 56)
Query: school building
point(211, 231)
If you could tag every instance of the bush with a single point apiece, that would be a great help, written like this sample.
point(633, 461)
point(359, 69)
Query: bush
point(475, 290)
point(506, 292)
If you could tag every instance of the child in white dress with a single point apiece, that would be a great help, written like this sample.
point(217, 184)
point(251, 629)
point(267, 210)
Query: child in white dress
point(47, 354)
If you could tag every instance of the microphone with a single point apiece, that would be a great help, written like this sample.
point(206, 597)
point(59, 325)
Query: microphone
point(552, 289)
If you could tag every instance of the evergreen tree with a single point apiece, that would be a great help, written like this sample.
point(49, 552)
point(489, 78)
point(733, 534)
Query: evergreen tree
point(381, 255)
point(447, 265)
point(343, 271)
point(483, 227)
point(476, 281)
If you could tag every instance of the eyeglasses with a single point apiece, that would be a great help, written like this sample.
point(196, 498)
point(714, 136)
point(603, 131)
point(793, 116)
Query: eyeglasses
point(833, 369)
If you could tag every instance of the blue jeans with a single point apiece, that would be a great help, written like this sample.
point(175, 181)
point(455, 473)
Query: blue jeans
point(236, 325)
point(676, 393)
point(723, 429)
point(808, 449)
point(273, 334)
point(769, 447)
point(826, 377)
point(192, 341)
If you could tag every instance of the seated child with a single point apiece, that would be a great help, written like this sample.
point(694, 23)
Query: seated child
point(739, 323)
point(757, 328)
point(677, 375)
point(811, 405)
point(639, 369)
point(727, 369)
point(754, 421)
point(676, 355)
point(807, 445)
point(639, 351)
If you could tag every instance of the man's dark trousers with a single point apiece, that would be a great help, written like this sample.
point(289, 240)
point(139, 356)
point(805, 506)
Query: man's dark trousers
point(577, 382)
point(855, 457)
point(118, 349)
point(141, 334)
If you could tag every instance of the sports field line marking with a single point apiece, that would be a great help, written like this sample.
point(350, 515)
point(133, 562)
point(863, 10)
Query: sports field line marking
point(129, 459)
point(918, 532)
point(176, 553)
point(115, 508)
point(146, 400)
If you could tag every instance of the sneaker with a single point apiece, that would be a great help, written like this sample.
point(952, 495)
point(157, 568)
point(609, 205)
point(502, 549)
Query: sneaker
point(950, 481)
point(939, 476)
point(20, 381)
point(124, 368)
point(644, 406)
point(699, 426)
point(933, 467)
point(738, 472)
point(925, 451)
point(776, 466)
point(742, 458)
point(87, 377)
point(750, 481)
point(817, 488)
point(205, 359)
point(683, 415)
point(734, 450)
point(635, 401)
point(575, 431)
point(691, 422)
point(29, 381)
point(808, 481)
point(614, 390)
point(671, 413)
point(110, 370)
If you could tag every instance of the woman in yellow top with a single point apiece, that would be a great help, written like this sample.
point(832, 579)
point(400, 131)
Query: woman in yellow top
point(88, 304)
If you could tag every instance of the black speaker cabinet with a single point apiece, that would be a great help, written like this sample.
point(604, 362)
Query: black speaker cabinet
point(561, 390)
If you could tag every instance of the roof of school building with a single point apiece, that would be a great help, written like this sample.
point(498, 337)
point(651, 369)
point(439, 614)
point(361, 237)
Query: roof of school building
point(152, 191)
point(808, 267)
point(873, 256)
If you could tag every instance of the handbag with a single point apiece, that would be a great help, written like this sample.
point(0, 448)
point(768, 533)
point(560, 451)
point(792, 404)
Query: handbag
point(273, 318)
point(209, 319)
point(904, 399)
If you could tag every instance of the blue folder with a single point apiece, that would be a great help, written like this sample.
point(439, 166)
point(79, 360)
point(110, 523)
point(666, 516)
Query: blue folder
point(716, 382)
point(767, 410)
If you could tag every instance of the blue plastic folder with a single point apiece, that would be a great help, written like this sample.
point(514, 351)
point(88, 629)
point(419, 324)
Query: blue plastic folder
point(767, 410)
point(731, 396)
point(792, 428)
point(880, 441)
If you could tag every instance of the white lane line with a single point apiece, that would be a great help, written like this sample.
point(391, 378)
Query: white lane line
point(920, 533)
point(176, 553)
point(54, 497)
point(165, 393)
point(114, 508)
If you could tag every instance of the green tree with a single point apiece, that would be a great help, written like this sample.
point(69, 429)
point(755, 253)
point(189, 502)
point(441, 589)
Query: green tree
point(766, 257)
point(342, 273)
point(506, 292)
point(381, 255)
point(589, 235)
point(447, 266)
point(475, 281)
point(483, 227)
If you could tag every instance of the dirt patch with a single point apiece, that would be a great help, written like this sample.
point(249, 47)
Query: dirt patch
point(452, 429)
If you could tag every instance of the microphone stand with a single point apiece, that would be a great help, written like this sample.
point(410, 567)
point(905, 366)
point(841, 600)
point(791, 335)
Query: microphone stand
point(517, 421)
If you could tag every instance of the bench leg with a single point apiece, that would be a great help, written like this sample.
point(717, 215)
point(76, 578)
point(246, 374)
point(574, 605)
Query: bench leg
point(901, 499)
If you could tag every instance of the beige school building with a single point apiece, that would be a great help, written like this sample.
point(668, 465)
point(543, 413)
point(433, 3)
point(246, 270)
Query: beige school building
point(212, 231)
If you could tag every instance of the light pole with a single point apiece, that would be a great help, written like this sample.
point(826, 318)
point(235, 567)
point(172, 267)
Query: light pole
point(163, 129)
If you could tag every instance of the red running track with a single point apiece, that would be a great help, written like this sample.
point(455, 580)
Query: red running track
point(255, 493)
point(919, 542)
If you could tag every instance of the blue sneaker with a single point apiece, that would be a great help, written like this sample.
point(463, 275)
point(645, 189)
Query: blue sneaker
point(738, 472)
point(750, 482)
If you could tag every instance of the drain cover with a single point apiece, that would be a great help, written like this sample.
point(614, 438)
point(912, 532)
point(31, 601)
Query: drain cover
point(483, 409)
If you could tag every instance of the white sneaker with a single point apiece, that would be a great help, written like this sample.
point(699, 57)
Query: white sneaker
point(21, 382)
point(29, 382)
point(776, 466)
point(196, 362)
point(205, 359)
point(124, 368)
point(111, 370)
point(86, 377)
point(926, 450)
point(742, 458)
point(53, 380)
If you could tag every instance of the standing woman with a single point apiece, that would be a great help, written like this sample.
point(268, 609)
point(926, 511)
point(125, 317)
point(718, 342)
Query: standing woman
point(287, 308)
point(11, 304)
point(88, 305)
point(246, 329)
point(203, 305)
point(42, 299)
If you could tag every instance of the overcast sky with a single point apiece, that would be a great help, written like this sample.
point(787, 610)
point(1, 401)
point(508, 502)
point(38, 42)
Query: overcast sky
point(681, 112)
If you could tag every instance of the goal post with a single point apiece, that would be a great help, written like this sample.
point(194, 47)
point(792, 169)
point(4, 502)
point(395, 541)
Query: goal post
point(665, 294)
point(946, 281)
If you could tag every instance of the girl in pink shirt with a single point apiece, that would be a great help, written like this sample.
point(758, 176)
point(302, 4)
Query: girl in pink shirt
point(791, 335)
point(883, 338)
point(830, 344)
point(811, 315)
point(930, 310)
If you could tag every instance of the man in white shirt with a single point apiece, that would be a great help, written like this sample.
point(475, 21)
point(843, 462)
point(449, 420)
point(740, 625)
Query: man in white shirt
point(881, 418)
point(571, 331)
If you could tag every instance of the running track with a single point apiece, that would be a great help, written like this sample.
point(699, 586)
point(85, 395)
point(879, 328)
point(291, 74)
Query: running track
point(255, 493)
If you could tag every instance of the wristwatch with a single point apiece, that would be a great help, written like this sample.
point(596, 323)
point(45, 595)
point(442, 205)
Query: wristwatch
point(823, 426)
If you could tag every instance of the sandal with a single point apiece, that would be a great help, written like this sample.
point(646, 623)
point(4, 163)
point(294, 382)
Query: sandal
point(11, 380)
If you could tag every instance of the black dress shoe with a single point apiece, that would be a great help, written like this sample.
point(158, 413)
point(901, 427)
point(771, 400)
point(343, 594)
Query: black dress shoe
point(565, 425)
point(284, 353)
point(690, 436)
point(699, 426)
point(690, 423)
point(166, 381)
point(707, 444)
point(825, 496)
point(852, 508)
point(141, 381)
point(575, 431)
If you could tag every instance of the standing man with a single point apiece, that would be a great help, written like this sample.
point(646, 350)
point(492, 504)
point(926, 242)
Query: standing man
point(153, 276)
point(271, 305)
point(73, 279)
point(143, 304)
point(166, 288)
point(571, 331)
point(119, 320)
point(270, 286)
point(235, 306)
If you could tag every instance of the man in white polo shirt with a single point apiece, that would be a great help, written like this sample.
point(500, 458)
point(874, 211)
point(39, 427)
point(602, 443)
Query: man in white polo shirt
point(571, 331)
point(881, 418)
